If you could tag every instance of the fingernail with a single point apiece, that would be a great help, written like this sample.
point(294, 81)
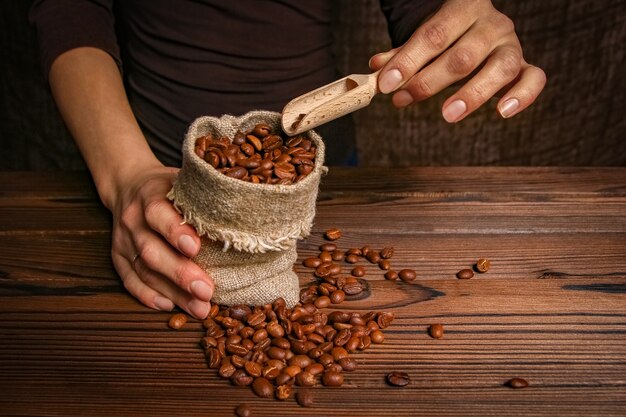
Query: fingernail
point(454, 110)
point(187, 245)
point(163, 304)
point(402, 98)
point(509, 107)
point(198, 308)
point(201, 290)
point(389, 81)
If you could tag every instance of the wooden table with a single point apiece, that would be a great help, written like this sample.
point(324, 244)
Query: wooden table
point(551, 310)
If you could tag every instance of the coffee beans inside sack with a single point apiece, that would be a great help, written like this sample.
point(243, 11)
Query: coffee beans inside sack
point(250, 192)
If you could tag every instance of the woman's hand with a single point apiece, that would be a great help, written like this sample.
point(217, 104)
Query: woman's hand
point(465, 39)
point(151, 246)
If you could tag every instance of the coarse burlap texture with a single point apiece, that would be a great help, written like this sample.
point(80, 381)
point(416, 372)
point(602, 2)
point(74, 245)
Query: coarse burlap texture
point(249, 231)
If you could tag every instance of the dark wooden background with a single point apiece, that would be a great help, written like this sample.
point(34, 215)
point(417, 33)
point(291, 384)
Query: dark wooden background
point(577, 120)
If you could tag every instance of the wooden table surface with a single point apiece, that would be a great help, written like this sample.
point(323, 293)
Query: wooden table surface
point(551, 310)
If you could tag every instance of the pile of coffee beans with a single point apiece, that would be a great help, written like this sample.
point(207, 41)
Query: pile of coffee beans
point(260, 156)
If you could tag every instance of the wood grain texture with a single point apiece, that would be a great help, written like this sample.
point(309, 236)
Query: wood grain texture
point(552, 309)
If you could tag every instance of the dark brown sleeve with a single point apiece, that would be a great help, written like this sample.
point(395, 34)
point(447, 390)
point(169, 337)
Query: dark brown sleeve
point(404, 16)
point(67, 24)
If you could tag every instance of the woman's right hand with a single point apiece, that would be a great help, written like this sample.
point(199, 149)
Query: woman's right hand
point(151, 246)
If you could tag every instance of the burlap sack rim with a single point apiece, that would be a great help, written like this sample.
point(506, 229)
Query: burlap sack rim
point(243, 241)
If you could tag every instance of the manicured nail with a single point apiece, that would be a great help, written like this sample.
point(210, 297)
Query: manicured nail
point(509, 107)
point(198, 308)
point(454, 110)
point(201, 290)
point(402, 98)
point(390, 81)
point(187, 245)
point(163, 304)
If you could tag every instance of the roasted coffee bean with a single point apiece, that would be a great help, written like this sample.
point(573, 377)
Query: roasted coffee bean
point(337, 255)
point(352, 345)
point(328, 247)
point(262, 387)
point(353, 288)
point(227, 370)
point(386, 253)
point(352, 259)
point(332, 379)
point(517, 383)
point(347, 363)
point(260, 335)
point(243, 410)
point(338, 353)
point(435, 331)
point(339, 317)
point(377, 336)
point(398, 379)
point(373, 256)
point(253, 368)
point(274, 329)
point(208, 342)
point(238, 350)
point(358, 271)
point(391, 275)
point(256, 318)
point(334, 269)
point(384, 264)
point(332, 234)
point(236, 172)
point(241, 378)
point(325, 256)
point(304, 398)
point(322, 302)
point(315, 368)
point(305, 379)
point(365, 250)
point(213, 357)
point(384, 319)
point(283, 392)
point(465, 274)
point(407, 275)
point(483, 265)
point(283, 379)
point(354, 251)
point(337, 297)
point(177, 321)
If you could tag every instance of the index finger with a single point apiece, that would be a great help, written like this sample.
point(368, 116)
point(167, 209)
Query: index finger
point(428, 42)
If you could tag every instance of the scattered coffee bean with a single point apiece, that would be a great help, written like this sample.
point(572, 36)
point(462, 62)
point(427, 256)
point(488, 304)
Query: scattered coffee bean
point(332, 379)
point(407, 275)
point(333, 234)
point(435, 331)
point(337, 297)
point(391, 275)
point(322, 302)
point(328, 247)
point(243, 410)
point(377, 337)
point(312, 262)
point(398, 379)
point(177, 321)
point(483, 265)
point(386, 253)
point(263, 388)
point(384, 264)
point(304, 398)
point(465, 274)
point(352, 259)
point(358, 271)
point(283, 392)
point(517, 383)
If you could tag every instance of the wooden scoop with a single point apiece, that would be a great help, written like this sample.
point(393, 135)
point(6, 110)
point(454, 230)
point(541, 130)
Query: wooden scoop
point(329, 102)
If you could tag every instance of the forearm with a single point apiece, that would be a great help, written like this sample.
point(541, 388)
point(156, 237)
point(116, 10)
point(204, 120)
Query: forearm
point(90, 95)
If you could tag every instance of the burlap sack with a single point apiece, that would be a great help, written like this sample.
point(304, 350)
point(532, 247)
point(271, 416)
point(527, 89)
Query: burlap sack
point(249, 231)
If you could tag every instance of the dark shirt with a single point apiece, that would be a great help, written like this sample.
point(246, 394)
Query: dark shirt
point(183, 59)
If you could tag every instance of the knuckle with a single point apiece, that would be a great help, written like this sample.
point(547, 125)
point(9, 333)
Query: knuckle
point(503, 23)
point(182, 271)
point(435, 36)
point(477, 94)
point(148, 254)
point(153, 209)
point(461, 61)
point(420, 88)
point(509, 64)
